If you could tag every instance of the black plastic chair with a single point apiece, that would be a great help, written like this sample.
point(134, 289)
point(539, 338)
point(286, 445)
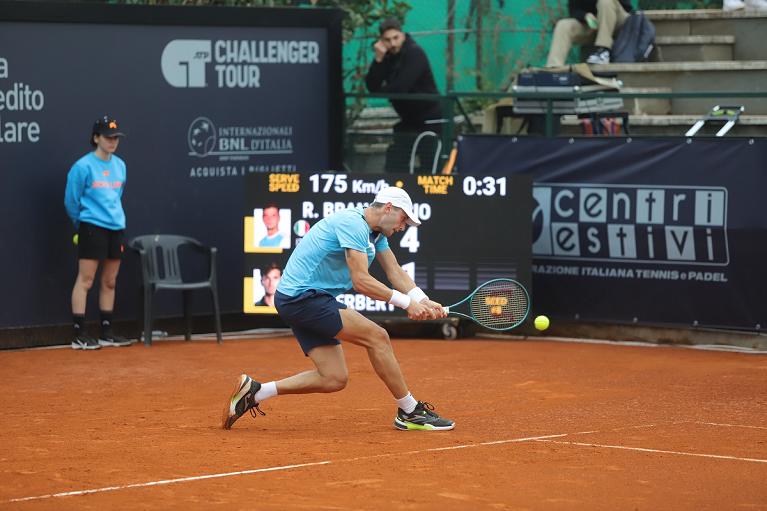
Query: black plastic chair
point(161, 269)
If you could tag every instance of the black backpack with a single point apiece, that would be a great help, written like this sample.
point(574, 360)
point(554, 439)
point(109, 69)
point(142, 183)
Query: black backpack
point(635, 40)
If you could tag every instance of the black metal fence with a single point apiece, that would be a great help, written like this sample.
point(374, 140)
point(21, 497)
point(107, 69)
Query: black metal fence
point(370, 140)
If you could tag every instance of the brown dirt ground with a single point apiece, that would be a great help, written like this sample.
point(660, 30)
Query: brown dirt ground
point(76, 421)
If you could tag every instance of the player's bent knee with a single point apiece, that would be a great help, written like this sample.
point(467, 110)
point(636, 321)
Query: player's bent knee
point(335, 382)
point(380, 335)
point(380, 341)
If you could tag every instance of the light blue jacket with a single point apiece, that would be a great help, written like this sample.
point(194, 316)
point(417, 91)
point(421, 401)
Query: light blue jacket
point(94, 192)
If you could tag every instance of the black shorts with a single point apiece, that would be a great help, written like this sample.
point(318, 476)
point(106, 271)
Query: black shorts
point(95, 242)
point(313, 316)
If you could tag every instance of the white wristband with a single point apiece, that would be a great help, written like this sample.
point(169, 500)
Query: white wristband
point(416, 294)
point(399, 299)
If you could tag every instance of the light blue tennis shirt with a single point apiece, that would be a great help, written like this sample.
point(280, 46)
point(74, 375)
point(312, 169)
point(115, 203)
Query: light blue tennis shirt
point(319, 261)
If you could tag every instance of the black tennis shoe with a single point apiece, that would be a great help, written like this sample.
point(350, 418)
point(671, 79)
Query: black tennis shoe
point(422, 418)
point(85, 342)
point(243, 399)
point(110, 339)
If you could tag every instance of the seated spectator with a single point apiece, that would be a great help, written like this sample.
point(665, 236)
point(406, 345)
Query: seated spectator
point(401, 66)
point(590, 22)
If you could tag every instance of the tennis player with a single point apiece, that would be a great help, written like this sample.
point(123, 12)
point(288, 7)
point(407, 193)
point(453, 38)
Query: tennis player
point(332, 258)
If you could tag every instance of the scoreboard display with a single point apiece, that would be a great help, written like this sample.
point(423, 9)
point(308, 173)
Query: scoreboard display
point(473, 229)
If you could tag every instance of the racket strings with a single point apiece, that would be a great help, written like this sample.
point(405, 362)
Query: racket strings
point(499, 305)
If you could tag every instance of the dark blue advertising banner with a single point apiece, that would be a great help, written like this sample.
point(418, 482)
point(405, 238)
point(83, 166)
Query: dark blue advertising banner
point(647, 231)
point(206, 96)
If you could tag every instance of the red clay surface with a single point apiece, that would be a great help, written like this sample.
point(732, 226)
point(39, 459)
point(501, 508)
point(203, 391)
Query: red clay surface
point(624, 427)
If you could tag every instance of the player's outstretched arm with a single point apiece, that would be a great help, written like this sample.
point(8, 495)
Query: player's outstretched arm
point(368, 285)
point(402, 282)
point(362, 280)
point(398, 277)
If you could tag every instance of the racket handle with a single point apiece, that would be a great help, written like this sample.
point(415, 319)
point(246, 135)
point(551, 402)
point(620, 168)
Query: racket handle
point(446, 309)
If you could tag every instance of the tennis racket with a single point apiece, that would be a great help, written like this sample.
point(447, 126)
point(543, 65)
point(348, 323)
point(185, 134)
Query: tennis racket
point(498, 304)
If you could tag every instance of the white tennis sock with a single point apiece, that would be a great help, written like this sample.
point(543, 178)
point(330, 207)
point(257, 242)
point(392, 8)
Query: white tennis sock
point(266, 391)
point(407, 403)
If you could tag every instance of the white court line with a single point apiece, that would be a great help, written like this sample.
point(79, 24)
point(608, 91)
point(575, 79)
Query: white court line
point(167, 481)
point(642, 449)
point(638, 426)
point(637, 344)
point(730, 425)
point(274, 469)
point(543, 438)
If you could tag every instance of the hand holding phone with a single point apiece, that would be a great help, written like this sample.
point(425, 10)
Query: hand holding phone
point(380, 48)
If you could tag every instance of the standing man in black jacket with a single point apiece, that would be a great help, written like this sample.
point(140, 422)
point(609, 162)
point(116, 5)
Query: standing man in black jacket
point(401, 66)
point(590, 22)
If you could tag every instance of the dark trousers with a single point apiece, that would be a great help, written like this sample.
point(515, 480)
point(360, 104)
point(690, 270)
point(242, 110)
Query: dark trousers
point(398, 154)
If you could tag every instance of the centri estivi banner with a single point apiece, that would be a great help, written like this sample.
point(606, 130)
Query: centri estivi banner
point(646, 231)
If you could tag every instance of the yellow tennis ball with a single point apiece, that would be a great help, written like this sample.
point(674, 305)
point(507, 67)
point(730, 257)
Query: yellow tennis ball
point(541, 323)
point(75, 239)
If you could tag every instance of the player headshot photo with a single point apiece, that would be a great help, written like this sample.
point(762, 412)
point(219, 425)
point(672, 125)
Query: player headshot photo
point(269, 278)
point(273, 231)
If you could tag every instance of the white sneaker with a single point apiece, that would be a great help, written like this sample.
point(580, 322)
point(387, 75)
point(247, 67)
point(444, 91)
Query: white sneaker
point(756, 5)
point(733, 5)
point(599, 57)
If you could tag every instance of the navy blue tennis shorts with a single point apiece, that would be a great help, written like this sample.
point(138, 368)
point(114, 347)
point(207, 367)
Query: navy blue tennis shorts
point(313, 316)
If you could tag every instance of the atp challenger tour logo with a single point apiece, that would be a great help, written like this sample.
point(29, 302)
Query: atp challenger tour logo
point(236, 64)
point(617, 223)
point(183, 62)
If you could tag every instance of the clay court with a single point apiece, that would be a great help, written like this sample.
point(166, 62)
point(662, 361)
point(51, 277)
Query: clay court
point(540, 425)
